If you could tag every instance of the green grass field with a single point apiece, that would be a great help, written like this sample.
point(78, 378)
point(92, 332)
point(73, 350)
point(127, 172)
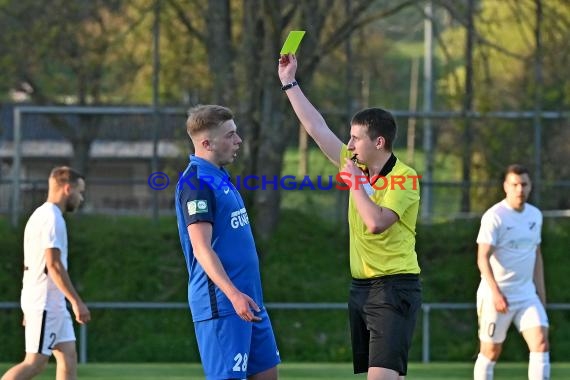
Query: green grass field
point(296, 371)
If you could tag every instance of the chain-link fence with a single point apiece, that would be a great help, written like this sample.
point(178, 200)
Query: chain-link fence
point(119, 149)
point(115, 148)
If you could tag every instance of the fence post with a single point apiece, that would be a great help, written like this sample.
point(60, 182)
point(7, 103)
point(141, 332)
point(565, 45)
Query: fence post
point(83, 343)
point(16, 166)
point(425, 333)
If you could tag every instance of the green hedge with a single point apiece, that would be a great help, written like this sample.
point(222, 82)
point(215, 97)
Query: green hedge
point(306, 260)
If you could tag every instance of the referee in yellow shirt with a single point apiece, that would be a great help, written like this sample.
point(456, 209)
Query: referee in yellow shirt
point(385, 295)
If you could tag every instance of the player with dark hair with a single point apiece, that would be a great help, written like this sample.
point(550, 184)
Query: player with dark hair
point(512, 278)
point(46, 283)
point(385, 295)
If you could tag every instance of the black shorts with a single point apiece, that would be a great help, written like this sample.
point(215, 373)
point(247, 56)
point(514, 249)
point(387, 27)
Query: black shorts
point(383, 314)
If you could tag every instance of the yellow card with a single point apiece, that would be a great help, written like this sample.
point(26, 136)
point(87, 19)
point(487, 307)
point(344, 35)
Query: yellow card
point(292, 42)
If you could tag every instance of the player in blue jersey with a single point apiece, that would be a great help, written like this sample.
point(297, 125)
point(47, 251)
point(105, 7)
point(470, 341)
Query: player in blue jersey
point(233, 330)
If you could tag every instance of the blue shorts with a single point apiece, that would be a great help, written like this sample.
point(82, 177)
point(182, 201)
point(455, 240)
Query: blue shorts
point(231, 348)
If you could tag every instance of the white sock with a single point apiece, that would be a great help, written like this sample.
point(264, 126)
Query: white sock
point(539, 366)
point(483, 369)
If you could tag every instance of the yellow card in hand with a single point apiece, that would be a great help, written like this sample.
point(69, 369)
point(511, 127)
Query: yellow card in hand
point(292, 42)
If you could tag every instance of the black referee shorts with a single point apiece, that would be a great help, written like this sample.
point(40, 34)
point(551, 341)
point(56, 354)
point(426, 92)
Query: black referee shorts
point(383, 314)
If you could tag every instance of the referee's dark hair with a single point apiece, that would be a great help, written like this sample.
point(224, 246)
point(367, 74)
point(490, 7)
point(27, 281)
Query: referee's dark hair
point(379, 123)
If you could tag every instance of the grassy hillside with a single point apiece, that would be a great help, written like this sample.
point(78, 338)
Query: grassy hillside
point(132, 259)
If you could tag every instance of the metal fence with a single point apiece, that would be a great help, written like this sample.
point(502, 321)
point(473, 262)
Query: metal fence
point(122, 146)
point(427, 308)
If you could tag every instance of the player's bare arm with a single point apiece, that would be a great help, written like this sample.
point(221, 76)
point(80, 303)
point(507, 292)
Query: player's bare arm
point(201, 237)
point(376, 218)
point(538, 276)
point(60, 277)
point(310, 118)
point(484, 252)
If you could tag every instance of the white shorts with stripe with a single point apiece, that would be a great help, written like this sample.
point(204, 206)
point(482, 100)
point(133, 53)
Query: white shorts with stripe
point(45, 329)
point(493, 326)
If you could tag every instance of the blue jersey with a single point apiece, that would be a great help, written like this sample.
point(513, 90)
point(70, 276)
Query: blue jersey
point(204, 193)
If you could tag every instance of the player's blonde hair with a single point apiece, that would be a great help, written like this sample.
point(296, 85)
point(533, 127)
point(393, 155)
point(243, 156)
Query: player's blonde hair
point(206, 117)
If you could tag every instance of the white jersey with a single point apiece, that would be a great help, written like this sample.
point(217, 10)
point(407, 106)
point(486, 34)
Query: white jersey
point(515, 237)
point(45, 229)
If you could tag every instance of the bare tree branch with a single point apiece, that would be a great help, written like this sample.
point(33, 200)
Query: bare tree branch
point(350, 25)
point(185, 20)
point(480, 40)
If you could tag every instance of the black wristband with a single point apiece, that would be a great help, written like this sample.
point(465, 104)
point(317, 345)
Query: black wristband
point(287, 86)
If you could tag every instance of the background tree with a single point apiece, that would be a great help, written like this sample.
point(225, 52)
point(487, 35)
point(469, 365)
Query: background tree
point(69, 52)
point(504, 66)
point(99, 52)
point(242, 61)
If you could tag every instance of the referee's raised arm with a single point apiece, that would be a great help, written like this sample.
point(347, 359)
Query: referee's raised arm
point(308, 115)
